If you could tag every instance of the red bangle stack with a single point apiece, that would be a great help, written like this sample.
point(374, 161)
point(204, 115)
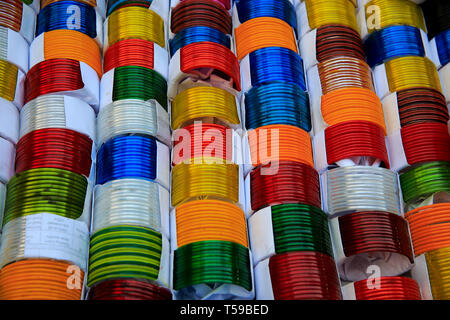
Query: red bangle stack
point(213, 56)
point(387, 288)
point(192, 13)
point(202, 142)
point(54, 148)
point(304, 275)
point(363, 232)
point(426, 142)
point(128, 289)
point(294, 182)
point(355, 139)
point(129, 52)
point(52, 76)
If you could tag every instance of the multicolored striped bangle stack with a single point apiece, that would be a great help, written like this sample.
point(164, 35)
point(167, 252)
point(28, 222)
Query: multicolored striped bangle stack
point(418, 138)
point(289, 234)
point(360, 192)
point(129, 247)
point(418, 134)
point(211, 256)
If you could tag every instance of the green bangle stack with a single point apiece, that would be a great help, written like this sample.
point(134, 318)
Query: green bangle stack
point(300, 227)
point(124, 252)
point(422, 181)
point(132, 82)
point(212, 262)
point(48, 190)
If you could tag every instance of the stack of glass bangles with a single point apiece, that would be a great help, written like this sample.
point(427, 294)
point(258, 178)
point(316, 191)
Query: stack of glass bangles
point(204, 220)
point(336, 40)
point(134, 22)
point(300, 227)
point(199, 146)
point(71, 151)
point(226, 262)
point(323, 12)
point(395, 13)
point(283, 179)
point(50, 190)
point(204, 102)
point(50, 111)
point(361, 188)
point(18, 17)
point(53, 76)
point(389, 288)
point(127, 201)
point(294, 144)
point(314, 272)
point(39, 279)
point(282, 10)
point(190, 13)
point(130, 116)
point(142, 247)
point(276, 64)
point(136, 82)
point(421, 181)
point(277, 103)
point(55, 16)
point(128, 289)
point(195, 181)
point(8, 84)
point(294, 182)
point(210, 251)
point(129, 52)
point(132, 156)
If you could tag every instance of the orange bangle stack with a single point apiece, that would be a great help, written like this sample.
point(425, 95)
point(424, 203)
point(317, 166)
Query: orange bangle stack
point(40, 279)
point(430, 230)
point(288, 142)
point(261, 33)
point(71, 44)
point(204, 220)
point(352, 104)
point(430, 227)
